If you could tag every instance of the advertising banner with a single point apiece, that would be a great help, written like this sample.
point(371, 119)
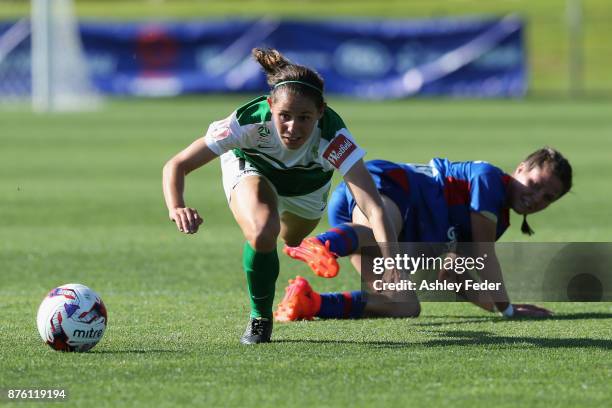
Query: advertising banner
point(467, 57)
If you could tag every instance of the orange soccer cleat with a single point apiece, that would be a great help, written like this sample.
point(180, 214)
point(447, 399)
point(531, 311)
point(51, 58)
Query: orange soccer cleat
point(318, 256)
point(300, 302)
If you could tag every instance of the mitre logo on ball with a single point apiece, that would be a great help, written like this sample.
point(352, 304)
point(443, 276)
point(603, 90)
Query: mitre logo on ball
point(72, 317)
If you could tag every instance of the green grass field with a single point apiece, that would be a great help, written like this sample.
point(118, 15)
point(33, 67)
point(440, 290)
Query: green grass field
point(81, 202)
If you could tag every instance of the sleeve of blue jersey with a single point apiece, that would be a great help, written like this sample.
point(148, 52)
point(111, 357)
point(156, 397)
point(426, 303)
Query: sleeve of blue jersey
point(487, 192)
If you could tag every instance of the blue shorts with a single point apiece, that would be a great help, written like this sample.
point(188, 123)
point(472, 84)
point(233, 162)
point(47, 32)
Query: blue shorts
point(417, 196)
point(392, 181)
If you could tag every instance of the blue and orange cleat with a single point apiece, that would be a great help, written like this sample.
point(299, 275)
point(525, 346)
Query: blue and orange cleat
point(299, 303)
point(318, 257)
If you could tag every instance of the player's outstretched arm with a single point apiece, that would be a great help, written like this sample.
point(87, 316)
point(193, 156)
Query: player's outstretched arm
point(367, 198)
point(478, 299)
point(191, 158)
point(363, 189)
point(369, 202)
point(483, 235)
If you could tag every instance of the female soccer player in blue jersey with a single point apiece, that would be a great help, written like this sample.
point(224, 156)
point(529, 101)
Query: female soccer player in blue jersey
point(278, 153)
point(438, 202)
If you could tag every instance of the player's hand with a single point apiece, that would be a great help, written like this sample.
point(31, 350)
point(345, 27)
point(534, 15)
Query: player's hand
point(187, 219)
point(524, 310)
point(395, 296)
point(391, 276)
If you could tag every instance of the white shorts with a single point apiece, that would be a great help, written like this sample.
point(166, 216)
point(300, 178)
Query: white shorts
point(310, 206)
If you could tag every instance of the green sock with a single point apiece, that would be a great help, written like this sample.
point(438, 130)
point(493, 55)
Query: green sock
point(261, 270)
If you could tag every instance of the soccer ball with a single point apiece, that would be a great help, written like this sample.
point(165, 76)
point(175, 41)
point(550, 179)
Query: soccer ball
point(72, 317)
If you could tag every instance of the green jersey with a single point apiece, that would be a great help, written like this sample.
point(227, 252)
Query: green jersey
point(250, 134)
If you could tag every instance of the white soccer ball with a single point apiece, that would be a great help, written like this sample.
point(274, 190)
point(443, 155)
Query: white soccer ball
point(72, 318)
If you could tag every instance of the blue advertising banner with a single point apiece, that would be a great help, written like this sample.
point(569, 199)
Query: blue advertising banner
point(358, 58)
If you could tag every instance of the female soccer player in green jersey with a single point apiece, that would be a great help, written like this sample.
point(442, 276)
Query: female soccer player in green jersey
point(278, 153)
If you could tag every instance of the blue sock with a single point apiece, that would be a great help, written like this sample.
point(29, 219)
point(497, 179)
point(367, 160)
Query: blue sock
point(342, 239)
point(342, 305)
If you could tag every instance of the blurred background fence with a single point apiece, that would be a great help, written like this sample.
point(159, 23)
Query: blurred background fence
point(568, 42)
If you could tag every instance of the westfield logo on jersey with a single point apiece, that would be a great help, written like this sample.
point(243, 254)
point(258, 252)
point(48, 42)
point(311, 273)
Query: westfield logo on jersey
point(338, 150)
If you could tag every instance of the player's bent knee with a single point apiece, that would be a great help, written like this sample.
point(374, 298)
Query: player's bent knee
point(416, 311)
point(293, 242)
point(444, 275)
point(406, 310)
point(393, 309)
point(262, 237)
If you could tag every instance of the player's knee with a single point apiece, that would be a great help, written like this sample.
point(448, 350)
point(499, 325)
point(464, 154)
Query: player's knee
point(293, 242)
point(443, 275)
point(416, 311)
point(263, 236)
point(393, 309)
point(412, 309)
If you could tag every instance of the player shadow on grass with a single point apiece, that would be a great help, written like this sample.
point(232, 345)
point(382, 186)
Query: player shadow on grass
point(500, 319)
point(134, 351)
point(467, 337)
point(460, 338)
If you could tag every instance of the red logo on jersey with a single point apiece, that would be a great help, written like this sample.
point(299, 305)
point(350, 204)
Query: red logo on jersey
point(456, 192)
point(338, 150)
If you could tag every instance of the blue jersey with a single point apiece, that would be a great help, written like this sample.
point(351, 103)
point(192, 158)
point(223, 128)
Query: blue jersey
point(435, 199)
